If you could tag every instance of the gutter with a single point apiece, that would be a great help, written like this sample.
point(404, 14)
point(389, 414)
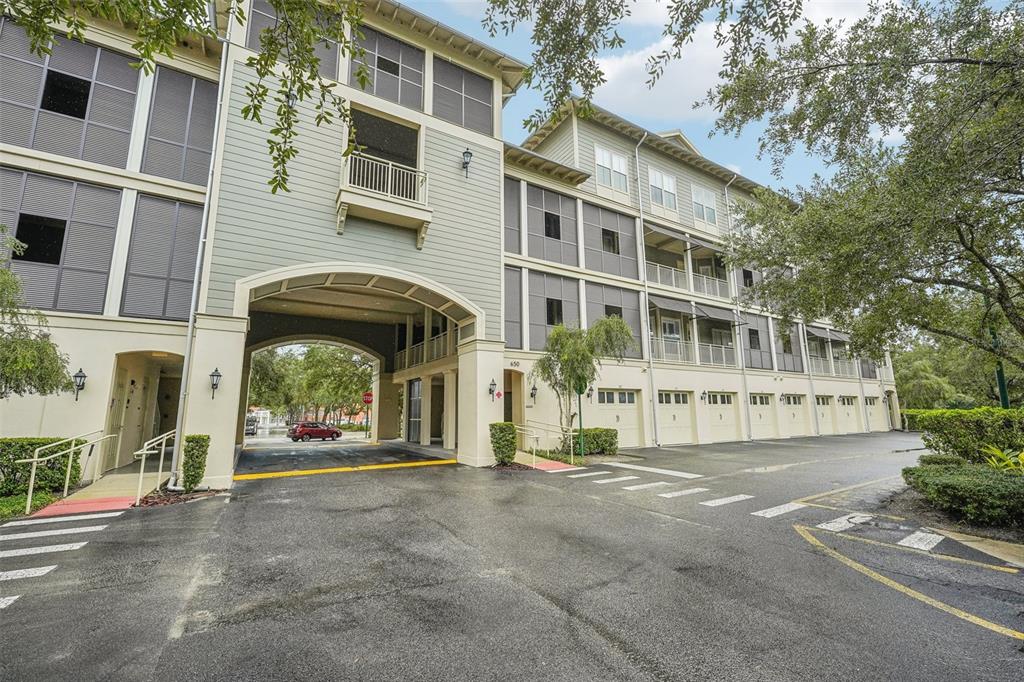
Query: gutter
point(736, 310)
point(642, 268)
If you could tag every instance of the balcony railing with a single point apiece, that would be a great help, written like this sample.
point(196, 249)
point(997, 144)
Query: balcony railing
point(438, 347)
point(671, 350)
point(427, 351)
point(885, 373)
point(845, 367)
point(820, 365)
point(710, 286)
point(670, 277)
point(712, 354)
point(387, 178)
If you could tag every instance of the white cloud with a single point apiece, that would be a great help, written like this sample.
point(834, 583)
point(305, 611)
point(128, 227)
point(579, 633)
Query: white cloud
point(468, 8)
point(735, 168)
point(648, 13)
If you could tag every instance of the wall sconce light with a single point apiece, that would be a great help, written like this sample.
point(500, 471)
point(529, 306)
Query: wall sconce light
point(533, 392)
point(590, 392)
point(215, 376)
point(79, 378)
point(292, 99)
point(467, 156)
point(704, 396)
point(492, 389)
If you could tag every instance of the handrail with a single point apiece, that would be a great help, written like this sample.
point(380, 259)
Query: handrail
point(148, 449)
point(36, 459)
point(528, 433)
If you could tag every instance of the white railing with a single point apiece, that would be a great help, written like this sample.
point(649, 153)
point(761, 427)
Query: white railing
point(158, 444)
point(820, 365)
point(712, 354)
point(671, 350)
point(70, 451)
point(885, 373)
point(437, 347)
point(711, 286)
point(387, 177)
point(400, 360)
point(527, 435)
point(670, 277)
point(845, 367)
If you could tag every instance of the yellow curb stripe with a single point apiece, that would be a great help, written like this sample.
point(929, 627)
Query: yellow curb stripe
point(861, 568)
point(944, 557)
point(338, 470)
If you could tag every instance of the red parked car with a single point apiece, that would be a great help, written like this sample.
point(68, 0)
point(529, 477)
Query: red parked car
point(308, 430)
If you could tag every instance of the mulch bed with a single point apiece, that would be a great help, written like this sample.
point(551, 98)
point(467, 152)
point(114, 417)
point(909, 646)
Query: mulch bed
point(162, 498)
point(911, 504)
point(514, 466)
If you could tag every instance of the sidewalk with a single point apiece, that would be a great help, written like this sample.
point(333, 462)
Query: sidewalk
point(115, 490)
point(540, 463)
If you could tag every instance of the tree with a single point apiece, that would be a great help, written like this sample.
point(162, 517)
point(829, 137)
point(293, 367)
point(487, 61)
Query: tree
point(29, 361)
point(970, 371)
point(572, 358)
point(921, 388)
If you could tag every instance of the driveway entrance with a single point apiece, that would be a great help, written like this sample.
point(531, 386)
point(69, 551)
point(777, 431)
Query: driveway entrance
point(280, 455)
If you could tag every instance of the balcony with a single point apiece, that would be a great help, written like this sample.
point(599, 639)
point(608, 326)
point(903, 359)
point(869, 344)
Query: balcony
point(711, 286)
point(667, 276)
point(384, 191)
point(719, 356)
point(820, 366)
point(439, 347)
point(671, 350)
point(845, 367)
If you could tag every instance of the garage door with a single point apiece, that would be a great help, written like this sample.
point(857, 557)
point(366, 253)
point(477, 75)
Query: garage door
point(763, 421)
point(877, 417)
point(620, 410)
point(848, 416)
point(675, 417)
point(826, 417)
point(723, 417)
point(795, 416)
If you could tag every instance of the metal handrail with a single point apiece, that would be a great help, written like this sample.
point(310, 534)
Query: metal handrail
point(712, 286)
point(148, 449)
point(668, 276)
point(385, 177)
point(528, 433)
point(716, 354)
point(36, 459)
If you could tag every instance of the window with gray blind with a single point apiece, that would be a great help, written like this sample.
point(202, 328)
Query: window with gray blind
point(513, 308)
point(550, 225)
point(463, 97)
point(263, 15)
point(180, 135)
point(545, 289)
point(609, 241)
point(605, 301)
point(395, 68)
point(754, 337)
point(78, 101)
point(69, 231)
point(788, 353)
point(512, 215)
point(161, 259)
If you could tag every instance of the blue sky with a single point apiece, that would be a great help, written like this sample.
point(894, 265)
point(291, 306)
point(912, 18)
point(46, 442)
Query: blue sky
point(669, 104)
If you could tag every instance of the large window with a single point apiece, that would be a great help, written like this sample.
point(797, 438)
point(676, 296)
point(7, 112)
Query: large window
point(43, 239)
point(263, 15)
point(704, 204)
point(610, 241)
point(395, 68)
point(611, 169)
point(663, 189)
point(463, 97)
point(554, 312)
point(180, 135)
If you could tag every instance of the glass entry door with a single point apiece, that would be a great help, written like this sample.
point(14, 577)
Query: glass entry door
point(412, 430)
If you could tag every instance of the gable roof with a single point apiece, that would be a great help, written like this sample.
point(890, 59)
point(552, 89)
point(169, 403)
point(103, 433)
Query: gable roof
point(530, 160)
point(679, 137)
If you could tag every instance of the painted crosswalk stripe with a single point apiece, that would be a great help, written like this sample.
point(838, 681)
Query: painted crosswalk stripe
point(726, 500)
point(844, 522)
point(7, 601)
point(653, 470)
point(589, 473)
point(26, 573)
point(921, 540)
point(687, 491)
point(645, 486)
point(618, 479)
point(45, 549)
point(562, 471)
point(49, 533)
point(62, 519)
point(780, 510)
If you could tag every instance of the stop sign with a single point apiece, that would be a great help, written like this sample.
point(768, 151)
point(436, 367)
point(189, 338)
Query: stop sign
point(368, 398)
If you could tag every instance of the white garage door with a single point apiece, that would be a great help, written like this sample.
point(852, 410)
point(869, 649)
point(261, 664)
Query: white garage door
point(795, 416)
point(826, 420)
point(620, 410)
point(763, 422)
point(723, 417)
point(675, 417)
point(877, 417)
point(848, 416)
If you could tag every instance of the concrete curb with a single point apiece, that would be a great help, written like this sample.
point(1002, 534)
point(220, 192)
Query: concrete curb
point(1010, 552)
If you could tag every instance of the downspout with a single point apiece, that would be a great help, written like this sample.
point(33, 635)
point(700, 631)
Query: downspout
point(642, 268)
point(739, 335)
point(200, 255)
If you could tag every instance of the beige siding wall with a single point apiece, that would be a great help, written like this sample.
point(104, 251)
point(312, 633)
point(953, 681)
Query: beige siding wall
point(558, 145)
point(593, 134)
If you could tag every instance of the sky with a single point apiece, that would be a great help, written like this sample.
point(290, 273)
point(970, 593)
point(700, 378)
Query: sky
point(669, 105)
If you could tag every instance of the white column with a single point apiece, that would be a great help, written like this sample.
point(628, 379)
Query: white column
point(582, 287)
point(641, 252)
point(524, 237)
point(428, 83)
point(696, 336)
point(143, 101)
point(645, 327)
point(831, 361)
point(812, 400)
point(581, 253)
point(480, 362)
point(689, 265)
point(451, 409)
point(771, 343)
point(524, 311)
point(119, 258)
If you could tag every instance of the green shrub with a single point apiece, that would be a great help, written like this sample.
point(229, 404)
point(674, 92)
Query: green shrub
point(49, 475)
point(910, 418)
point(967, 432)
point(596, 441)
point(975, 493)
point(193, 463)
point(14, 505)
point(503, 441)
point(941, 460)
point(344, 426)
point(1011, 461)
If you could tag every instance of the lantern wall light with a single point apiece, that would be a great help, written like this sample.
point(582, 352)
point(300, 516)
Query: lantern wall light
point(215, 377)
point(79, 378)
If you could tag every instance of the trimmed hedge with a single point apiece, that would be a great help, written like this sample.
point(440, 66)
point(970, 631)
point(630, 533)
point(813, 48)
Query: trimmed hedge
point(503, 441)
point(193, 462)
point(910, 418)
point(942, 460)
point(975, 493)
point(966, 432)
point(596, 441)
point(49, 475)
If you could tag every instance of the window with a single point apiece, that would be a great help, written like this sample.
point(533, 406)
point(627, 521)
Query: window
point(871, 401)
point(554, 311)
point(613, 311)
point(670, 329)
point(719, 398)
point(681, 399)
point(395, 68)
point(787, 342)
point(721, 337)
point(43, 239)
point(793, 400)
point(463, 97)
point(180, 134)
point(611, 169)
point(760, 399)
point(606, 397)
point(610, 241)
point(66, 94)
point(673, 397)
point(823, 400)
point(847, 400)
point(262, 15)
point(663, 189)
point(704, 203)
point(755, 339)
point(664, 398)
point(748, 278)
point(552, 225)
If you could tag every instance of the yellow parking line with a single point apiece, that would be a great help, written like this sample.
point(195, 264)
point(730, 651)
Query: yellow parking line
point(846, 488)
point(805, 533)
point(338, 470)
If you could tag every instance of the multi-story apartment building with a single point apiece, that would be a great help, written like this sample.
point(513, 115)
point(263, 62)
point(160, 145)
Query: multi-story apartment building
point(438, 249)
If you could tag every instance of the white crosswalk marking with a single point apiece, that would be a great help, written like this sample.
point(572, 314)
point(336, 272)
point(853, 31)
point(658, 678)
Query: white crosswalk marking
point(48, 533)
point(844, 522)
point(7, 601)
point(778, 511)
point(618, 479)
point(62, 519)
point(562, 471)
point(589, 473)
point(26, 573)
point(653, 470)
point(726, 500)
point(645, 486)
point(45, 549)
point(921, 540)
point(687, 491)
